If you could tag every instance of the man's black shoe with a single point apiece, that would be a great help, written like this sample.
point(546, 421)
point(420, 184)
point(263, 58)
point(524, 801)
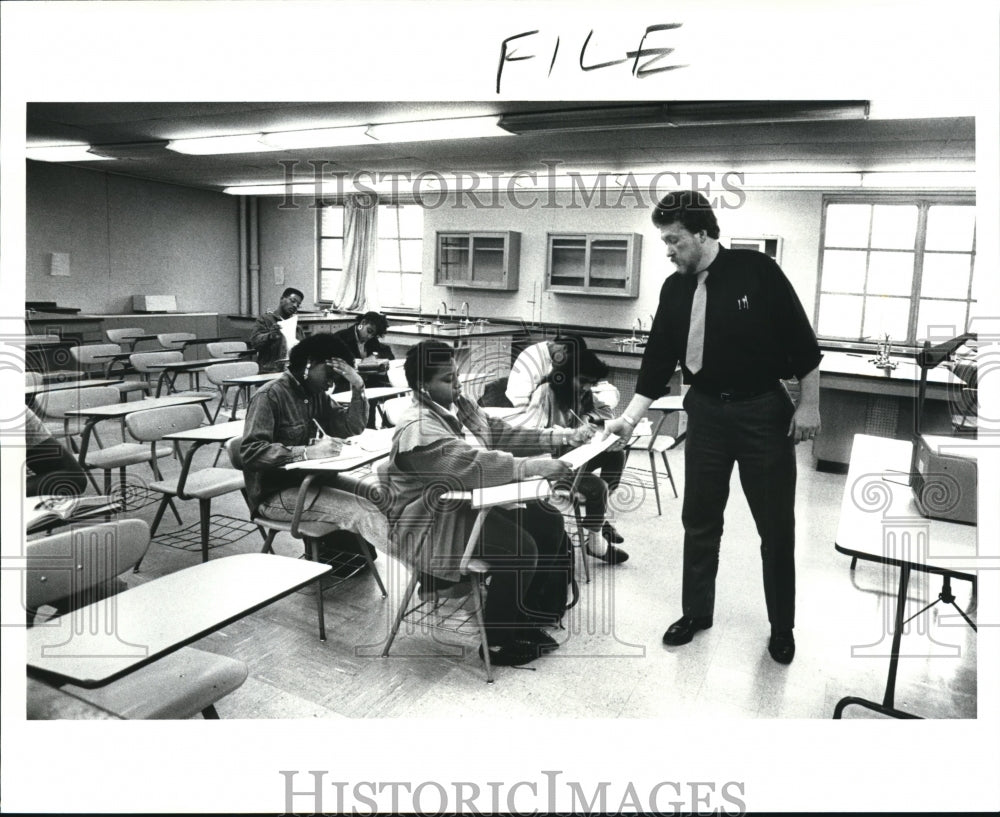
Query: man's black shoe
point(782, 646)
point(613, 536)
point(683, 630)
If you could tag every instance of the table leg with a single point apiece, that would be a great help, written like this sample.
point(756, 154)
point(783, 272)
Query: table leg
point(887, 707)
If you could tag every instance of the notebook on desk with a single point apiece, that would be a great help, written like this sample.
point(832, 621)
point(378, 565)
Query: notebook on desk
point(46, 511)
point(583, 454)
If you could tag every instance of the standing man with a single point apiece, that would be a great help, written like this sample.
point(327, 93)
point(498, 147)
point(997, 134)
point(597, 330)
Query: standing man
point(736, 325)
point(268, 338)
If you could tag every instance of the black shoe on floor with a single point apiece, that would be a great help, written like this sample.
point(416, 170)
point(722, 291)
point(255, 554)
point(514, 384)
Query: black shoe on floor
point(514, 654)
point(683, 630)
point(613, 536)
point(612, 556)
point(782, 646)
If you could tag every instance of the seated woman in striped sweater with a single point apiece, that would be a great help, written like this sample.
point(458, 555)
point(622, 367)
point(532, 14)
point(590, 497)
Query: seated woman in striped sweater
point(564, 398)
point(525, 547)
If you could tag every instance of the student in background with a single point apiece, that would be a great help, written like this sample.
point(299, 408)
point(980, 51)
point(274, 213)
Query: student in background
point(525, 546)
point(565, 399)
point(535, 362)
point(363, 339)
point(268, 338)
point(292, 419)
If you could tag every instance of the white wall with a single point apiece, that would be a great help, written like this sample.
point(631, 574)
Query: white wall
point(287, 239)
point(126, 237)
point(795, 216)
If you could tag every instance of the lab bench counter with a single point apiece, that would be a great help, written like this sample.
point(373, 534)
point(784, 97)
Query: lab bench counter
point(856, 397)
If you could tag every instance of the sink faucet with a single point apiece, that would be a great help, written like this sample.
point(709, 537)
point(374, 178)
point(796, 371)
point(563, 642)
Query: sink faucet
point(437, 317)
point(638, 322)
point(465, 311)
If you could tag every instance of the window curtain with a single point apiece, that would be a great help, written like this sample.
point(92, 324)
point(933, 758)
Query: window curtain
point(357, 290)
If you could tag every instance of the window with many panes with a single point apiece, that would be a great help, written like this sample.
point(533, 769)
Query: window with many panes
point(399, 258)
point(900, 266)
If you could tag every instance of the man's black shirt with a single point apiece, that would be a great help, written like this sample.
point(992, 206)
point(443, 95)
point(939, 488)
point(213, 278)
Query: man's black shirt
point(756, 331)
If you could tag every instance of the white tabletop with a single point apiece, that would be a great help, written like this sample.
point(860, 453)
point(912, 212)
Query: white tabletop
point(109, 638)
point(220, 432)
point(374, 393)
point(252, 379)
point(45, 388)
point(370, 445)
point(879, 518)
point(113, 410)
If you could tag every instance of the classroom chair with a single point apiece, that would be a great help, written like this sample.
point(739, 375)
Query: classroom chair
point(89, 358)
point(124, 336)
point(70, 570)
point(644, 439)
point(218, 373)
point(222, 348)
point(309, 532)
point(203, 484)
point(175, 340)
point(459, 609)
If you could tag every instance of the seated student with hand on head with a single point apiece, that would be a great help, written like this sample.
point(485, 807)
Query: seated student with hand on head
point(362, 340)
point(525, 546)
point(267, 336)
point(565, 399)
point(292, 419)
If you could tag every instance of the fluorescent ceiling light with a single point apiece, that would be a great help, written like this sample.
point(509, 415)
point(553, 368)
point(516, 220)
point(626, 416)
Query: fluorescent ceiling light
point(62, 153)
point(467, 128)
point(219, 145)
point(318, 138)
point(682, 114)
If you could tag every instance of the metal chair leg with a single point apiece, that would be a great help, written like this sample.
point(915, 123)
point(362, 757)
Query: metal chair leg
point(656, 482)
point(205, 512)
point(159, 515)
point(411, 587)
point(366, 554)
point(581, 535)
point(670, 473)
point(477, 592)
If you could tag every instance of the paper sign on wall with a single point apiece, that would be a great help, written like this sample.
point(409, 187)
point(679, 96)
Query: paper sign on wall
point(59, 264)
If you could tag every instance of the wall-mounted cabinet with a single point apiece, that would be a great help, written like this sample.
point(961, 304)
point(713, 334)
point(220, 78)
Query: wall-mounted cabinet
point(482, 260)
point(594, 264)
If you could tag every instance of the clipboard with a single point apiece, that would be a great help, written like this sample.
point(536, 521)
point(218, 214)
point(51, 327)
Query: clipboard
point(583, 454)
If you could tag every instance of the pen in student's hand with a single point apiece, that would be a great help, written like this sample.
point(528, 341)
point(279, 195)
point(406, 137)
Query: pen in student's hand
point(319, 428)
point(577, 417)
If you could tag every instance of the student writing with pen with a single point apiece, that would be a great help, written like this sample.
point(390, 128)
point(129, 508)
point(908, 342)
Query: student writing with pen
point(565, 399)
point(293, 419)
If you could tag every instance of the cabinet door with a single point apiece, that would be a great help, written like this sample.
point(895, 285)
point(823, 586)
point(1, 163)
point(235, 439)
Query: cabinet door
point(453, 258)
point(478, 260)
point(594, 264)
point(489, 260)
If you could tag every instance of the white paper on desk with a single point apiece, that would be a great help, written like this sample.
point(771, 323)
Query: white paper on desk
point(580, 456)
point(288, 327)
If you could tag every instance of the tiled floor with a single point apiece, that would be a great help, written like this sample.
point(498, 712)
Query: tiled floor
point(612, 663)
